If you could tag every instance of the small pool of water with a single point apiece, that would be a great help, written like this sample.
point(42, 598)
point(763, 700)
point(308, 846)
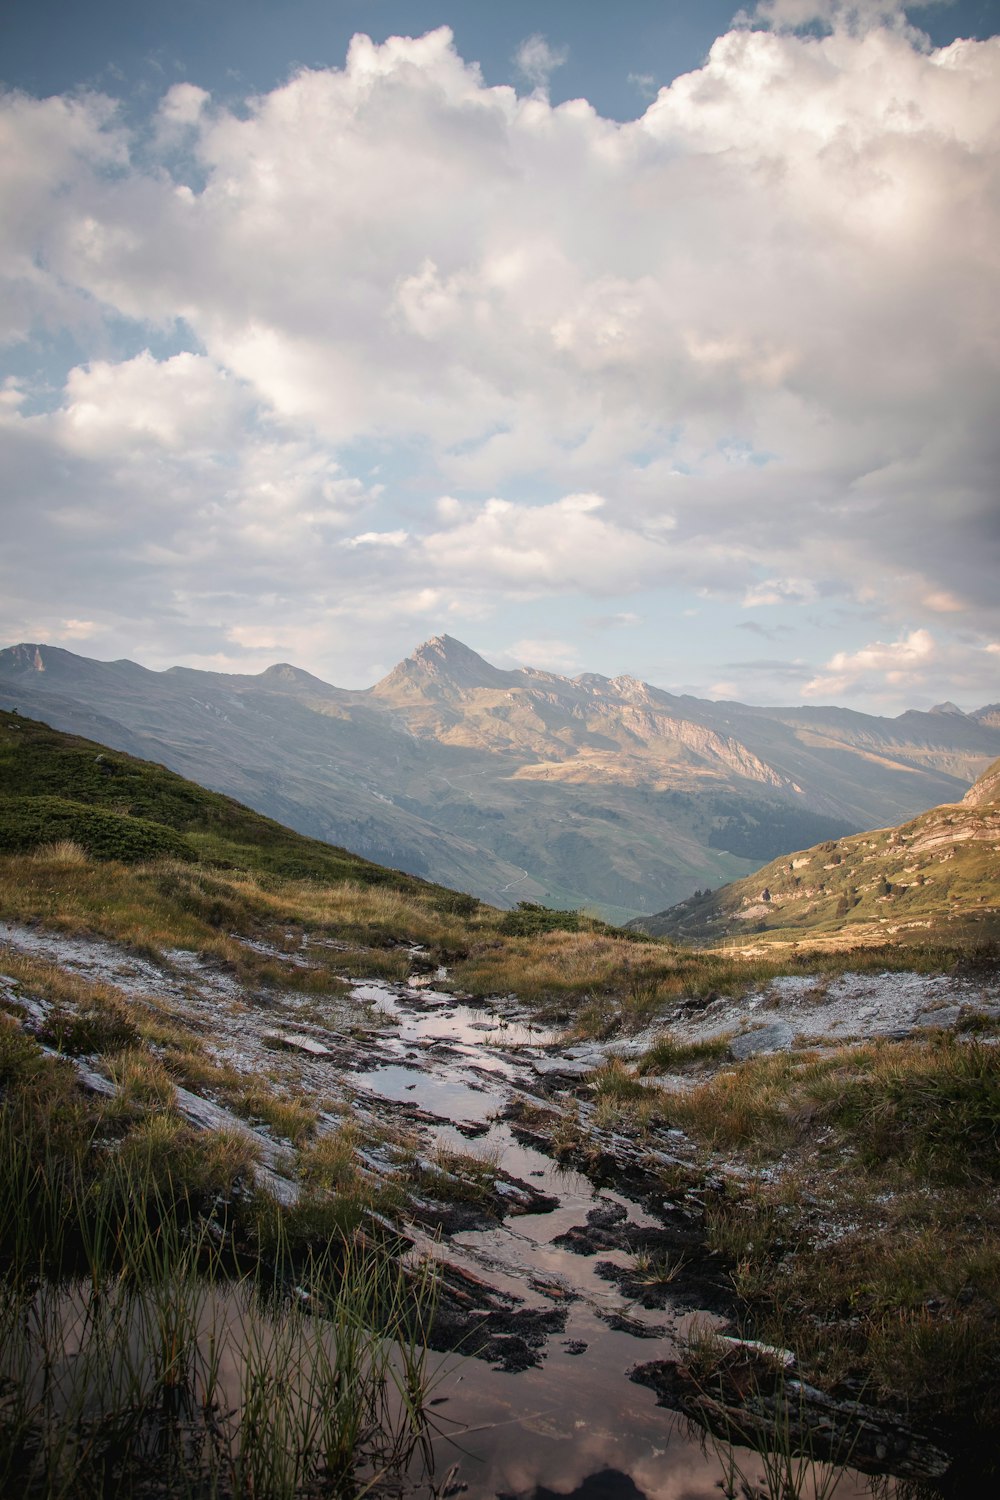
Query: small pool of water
point(451, 1098)
point(576, 1426)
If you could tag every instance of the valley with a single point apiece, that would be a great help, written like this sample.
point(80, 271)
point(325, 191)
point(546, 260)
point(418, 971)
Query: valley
point(607, 794)
point(680, 1197)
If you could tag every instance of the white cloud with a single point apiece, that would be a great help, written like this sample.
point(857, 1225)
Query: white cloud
point(546, 653)
point(760, 323)
point(567, 545)
point(780, 591)
point(377, 539)
point(537, 60)
point(50, 150)
point(918, 666)
point(894, 662)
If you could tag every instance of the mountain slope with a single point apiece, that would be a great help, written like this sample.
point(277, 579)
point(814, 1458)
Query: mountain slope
point(936, 875)
point(518, 784)
point(59, 786)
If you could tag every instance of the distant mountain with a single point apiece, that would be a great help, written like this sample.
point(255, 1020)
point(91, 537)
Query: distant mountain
point(928, 877)
point(591, 791)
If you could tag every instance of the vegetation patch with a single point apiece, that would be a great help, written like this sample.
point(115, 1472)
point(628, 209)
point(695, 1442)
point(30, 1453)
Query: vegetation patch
point(667, 1055)
point(152, 1302)
point(30, 822)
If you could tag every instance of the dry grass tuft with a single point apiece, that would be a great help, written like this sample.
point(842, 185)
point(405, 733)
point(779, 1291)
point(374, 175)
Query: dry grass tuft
point(61, 852)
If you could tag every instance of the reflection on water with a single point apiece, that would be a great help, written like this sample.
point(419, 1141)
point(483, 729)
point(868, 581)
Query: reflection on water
point(609, 1484)
point(575, 1425)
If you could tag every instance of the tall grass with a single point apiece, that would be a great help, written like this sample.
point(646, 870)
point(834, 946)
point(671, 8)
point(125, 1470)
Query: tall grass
point(162, 1333)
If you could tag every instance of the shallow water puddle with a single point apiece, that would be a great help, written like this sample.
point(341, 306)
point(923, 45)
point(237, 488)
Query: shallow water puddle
point(574, 1424)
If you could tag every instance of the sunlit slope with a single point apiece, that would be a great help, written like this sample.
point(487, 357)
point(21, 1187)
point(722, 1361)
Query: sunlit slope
point(937, 876)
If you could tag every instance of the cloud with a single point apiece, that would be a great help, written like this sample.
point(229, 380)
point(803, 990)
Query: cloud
point(917, 665)
point(536, 60)
point(757, 327)
point(780, 591)
point(567, 545)
point(624, 620)
point(159, 504)
point(645, 83)
point(377, 539)
point(849, 15)
point(546, 653)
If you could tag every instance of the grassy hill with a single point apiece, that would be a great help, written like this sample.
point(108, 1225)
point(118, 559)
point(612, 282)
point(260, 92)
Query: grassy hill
point(935, 878)
point(56, 786)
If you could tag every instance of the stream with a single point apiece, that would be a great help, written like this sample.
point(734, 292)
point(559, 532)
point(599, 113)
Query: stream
point(544, 1285)
point(572, 1423)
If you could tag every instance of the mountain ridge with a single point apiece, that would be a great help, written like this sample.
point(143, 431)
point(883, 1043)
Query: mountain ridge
point(517, 783)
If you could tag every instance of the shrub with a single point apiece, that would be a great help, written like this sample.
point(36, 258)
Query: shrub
point(29, 822)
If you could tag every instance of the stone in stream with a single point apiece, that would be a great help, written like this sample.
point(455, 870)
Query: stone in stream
point(294, 1041)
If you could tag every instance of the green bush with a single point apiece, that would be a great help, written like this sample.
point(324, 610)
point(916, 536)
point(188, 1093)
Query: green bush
point(29, 822)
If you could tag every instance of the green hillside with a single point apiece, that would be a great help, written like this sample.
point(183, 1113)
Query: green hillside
point(935, 878)
point(56, 786)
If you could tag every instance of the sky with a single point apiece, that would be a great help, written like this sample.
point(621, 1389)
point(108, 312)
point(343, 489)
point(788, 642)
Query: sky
point(659, 338)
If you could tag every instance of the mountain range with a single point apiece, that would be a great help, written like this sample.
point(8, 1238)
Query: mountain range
point(606, 793)
point(934, 878)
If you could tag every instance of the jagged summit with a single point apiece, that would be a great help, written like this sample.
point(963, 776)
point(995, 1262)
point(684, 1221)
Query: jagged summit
point(440, 666)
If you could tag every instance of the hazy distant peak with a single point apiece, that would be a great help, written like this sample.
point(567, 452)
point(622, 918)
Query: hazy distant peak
point(948, 708)
point(27, 656)
point(282, 673)
point(31, 656)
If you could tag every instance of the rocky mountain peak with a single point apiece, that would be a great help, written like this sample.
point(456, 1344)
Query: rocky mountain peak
point(442, 665)
point(28, 657)
point(283, 675)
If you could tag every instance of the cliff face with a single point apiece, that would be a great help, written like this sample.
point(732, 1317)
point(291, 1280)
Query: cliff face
point(986, 791)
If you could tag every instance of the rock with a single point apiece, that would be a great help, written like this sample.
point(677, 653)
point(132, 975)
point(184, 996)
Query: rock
point(784, 1358)
point(773, 1038)
point(295, 1041)
point(559, 1067)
